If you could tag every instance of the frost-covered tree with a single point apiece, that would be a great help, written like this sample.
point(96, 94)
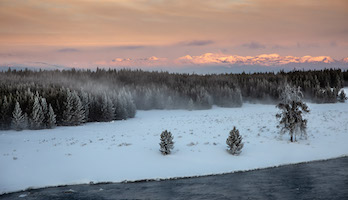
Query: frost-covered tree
point(37, 115)
point(234, 142)
point(130, 106)
point(120, 108)
point(151, 90)
point(85, 99)
point(68, 111)
point(342, 96)
point(44, 107)
point(74, 113)
point(4, 110)
point(107, 108)
point(291, 109)
point(51, 120)
point(19, 120)
point(166, 144)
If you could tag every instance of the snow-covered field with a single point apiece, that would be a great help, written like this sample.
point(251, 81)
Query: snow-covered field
point(129, 150)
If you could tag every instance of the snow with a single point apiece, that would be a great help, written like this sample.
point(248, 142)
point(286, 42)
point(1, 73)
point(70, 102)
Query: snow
point(22, 195)
point(129, 150)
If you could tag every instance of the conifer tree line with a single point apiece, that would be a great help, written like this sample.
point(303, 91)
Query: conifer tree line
point(44, 99)
point(31, 106)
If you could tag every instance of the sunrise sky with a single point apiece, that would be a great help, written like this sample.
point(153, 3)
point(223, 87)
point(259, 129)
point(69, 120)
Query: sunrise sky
point(140, 33)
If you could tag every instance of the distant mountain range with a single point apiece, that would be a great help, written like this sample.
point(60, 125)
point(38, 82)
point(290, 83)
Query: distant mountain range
point(32, 66)
point(263, 59)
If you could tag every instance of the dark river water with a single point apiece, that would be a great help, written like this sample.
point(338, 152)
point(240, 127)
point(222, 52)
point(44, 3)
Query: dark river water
point(315, 180)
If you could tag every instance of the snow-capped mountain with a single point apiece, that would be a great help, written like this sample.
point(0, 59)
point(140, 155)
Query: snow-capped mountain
point(263, 59)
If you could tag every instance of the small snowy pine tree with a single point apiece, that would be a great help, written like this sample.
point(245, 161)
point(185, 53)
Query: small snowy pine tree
point(342, 96)
point(37, 115)
point(45, 111)
point(234, 142)
point(19, 121)
point(166, 144)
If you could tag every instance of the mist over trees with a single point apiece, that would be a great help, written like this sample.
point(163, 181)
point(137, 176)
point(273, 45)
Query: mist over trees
point(34, 101)
point(45, 99)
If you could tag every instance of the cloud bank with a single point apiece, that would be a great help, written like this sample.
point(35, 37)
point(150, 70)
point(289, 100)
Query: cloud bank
point(210, 59)
point(263, 59)
point(152, 61)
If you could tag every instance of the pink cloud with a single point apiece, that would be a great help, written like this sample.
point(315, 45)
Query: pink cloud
point(263, 59)
point(129, 62)
point(217, 59)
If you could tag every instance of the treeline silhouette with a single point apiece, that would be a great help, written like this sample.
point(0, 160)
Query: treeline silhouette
point(44, 99)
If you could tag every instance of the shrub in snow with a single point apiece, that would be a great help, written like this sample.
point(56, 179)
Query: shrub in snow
point(291, 109)
point(342, 96)
point(166, 143)
point(234, 142)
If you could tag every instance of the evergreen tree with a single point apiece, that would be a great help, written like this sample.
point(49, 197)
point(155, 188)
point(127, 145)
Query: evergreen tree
point(237, 98)
point(44, 106)
point(107, 109)
point(151, 90)
point(74, 113)
point(19, 121)
point(292, 107)
point(234, 142)
point(120, 108)
point(342, 96)
point(68, 110)
point(5, 108)
point(130, 106)
point(78, 114)
point(51, 120)
point(85, 100)
point(45, 111)
point(37, 115)
point(166, 144)
point(25, 121)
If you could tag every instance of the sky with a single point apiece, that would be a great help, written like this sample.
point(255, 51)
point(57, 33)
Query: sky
point(174, 33)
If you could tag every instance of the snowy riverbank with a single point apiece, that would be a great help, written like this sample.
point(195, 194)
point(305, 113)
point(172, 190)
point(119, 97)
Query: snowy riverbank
point(129, 150)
